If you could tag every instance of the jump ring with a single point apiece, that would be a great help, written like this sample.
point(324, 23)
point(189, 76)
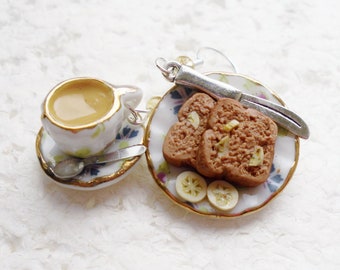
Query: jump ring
point(168, 69)
point(136, 118)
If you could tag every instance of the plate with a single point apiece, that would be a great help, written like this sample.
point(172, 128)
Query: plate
point(250, 199)
point(94, 176)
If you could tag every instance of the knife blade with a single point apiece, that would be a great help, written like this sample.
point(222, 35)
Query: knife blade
point(186, 76)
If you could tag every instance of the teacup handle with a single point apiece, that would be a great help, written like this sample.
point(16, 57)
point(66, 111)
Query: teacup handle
point(131, 95)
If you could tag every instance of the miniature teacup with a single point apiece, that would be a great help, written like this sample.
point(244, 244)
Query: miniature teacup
point(84, 115)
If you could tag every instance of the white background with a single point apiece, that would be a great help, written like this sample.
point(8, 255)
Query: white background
point(293, 47)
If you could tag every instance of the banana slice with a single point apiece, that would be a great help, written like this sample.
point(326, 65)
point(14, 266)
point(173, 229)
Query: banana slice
point(257, 157)
point(222, 195)
point(194, 119)
point(231, 124)
point(191, 187)
point(222, 146)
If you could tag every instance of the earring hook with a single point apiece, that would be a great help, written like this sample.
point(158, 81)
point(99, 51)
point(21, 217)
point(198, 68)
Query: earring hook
point(216, 51)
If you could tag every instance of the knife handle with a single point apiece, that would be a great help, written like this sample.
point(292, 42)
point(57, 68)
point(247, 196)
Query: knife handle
point(188, 77)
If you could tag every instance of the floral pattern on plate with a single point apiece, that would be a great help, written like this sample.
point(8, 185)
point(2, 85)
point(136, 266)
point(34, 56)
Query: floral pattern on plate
point(94, 176)
point(250, 199)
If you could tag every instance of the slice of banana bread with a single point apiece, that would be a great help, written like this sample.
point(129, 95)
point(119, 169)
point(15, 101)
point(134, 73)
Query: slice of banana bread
point(238, 144)
point(183, 138)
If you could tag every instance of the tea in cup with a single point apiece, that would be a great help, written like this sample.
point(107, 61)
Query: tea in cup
point(84, 115)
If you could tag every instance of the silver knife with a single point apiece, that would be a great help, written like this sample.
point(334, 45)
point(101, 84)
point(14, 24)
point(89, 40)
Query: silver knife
point(186, 76)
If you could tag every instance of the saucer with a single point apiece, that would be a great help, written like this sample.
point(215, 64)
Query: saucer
point(250, 199)
point(94, 176)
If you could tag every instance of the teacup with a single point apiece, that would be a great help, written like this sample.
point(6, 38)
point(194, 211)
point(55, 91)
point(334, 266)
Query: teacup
point(84, 115)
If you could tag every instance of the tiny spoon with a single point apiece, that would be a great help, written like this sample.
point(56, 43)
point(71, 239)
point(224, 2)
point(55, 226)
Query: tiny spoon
point(71, 167)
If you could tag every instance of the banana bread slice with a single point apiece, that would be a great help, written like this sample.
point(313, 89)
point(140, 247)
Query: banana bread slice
point(238, 144)
point(183, 138)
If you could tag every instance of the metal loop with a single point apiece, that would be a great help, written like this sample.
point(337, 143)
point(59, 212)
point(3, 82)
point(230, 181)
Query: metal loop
point(168, 69)
point(164, 71)
point(135, 118)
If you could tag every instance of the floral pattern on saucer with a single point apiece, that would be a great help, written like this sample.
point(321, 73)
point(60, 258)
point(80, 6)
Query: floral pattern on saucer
point(94, 176)
point(250, 199)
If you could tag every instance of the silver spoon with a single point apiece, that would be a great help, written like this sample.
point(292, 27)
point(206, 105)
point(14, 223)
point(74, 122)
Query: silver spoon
point(72, 167)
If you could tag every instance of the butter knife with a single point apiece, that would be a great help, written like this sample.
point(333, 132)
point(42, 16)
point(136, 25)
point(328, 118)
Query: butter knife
point(186, 76)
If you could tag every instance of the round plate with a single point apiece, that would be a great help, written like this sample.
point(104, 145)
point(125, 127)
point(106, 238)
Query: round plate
point(94, 176)
point(250, 199)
